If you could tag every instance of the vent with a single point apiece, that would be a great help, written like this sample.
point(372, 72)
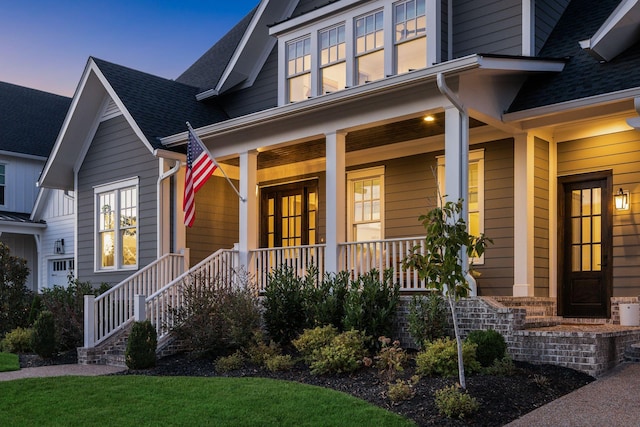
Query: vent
point(110, 111)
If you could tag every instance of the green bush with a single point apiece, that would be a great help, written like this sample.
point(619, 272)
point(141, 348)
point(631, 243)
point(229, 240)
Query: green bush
point(312, 340)
point(502, 367)
point(343, 354)
point(453, 403)
point(141, 346)
point(43, 339)
point(15, 298)
point(427, 318)
point(370, 305)
point(230, 363)
point(17, 341)
point(258, 349)
point(284, 305)
point(324, 301)
point(402, 389)
point(216, 318)
point(491, 346)
point(440, 357)
point(279, 363)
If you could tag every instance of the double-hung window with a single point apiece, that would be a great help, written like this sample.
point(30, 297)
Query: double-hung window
point(3, 183)
point(410, 29)
point(369, 33)
point(333, 66)
point(117, 225)
point(366, 196)
point(299, 69)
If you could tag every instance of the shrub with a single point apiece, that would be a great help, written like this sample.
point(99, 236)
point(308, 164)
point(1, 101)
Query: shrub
point(491, 346)
point(43, 339)
point(370, 304)
point(216, 318)
point(440, 357)
point(284, 304)
point(452, 403)
point(324, 301)
point(279, 363)
point(427, 318)
point(141, 346)
point(343, 354)
point(17, 341)
point(390, 359)
point(230, 363)
point(502, 367)
point(312, 340)
point(402, 390)
point(258, 350)
point(15, 298)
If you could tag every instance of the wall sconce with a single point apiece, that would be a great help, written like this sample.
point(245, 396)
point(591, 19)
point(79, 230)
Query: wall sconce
point(621, 199)
point(58, 247)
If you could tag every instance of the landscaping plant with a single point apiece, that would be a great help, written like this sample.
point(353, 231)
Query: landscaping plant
point(440, 358)
point(141, 346)
point(43, 338)
point(490, 346)
point(17, 341)
point(453, 403)
point(427, 318)
point(15, 298)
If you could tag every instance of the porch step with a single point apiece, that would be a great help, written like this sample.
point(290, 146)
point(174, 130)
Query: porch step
point(532, 322)
point(632, 353)
point(116, 359)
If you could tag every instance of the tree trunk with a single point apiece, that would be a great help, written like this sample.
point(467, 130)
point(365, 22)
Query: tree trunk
point(461, 378)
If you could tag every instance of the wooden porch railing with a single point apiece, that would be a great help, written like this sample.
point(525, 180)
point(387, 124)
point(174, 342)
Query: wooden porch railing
point(105, 314)
point(297, 257)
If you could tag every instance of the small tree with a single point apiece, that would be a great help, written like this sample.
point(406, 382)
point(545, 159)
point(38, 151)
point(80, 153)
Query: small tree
point(15, 298)
point(441, 265)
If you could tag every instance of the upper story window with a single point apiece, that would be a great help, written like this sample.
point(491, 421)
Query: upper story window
point(333, 66)
point(299, 69)
point(3, 174)
point(369, 32)
point(410, 29)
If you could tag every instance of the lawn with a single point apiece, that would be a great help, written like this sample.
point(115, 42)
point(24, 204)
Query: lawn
point(167, 401)
point(9, 362)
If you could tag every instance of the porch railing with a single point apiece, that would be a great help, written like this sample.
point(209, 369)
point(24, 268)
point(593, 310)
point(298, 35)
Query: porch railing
point(109, 312)
point(361, 257)
point(218, 268)
point(297, 257)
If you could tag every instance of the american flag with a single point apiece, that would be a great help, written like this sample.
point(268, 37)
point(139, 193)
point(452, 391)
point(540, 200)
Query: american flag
point(200, 166)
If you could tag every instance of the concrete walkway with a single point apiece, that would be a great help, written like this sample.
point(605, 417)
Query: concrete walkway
point(59, 371)
point(611, 400)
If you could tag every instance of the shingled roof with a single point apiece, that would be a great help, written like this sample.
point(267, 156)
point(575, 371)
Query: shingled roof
point(583, 75)
point(30, 119)
point(159, 106)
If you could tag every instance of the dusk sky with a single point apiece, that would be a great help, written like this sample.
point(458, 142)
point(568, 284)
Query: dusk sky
point(44, 44)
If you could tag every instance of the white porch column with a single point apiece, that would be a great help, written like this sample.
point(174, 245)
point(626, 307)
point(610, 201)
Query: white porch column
point(336, 211)
point(523, 216)
point(249, 208)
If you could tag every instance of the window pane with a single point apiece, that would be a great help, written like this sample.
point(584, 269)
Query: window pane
point(575, 258)
point(370, 67)
point(411, 55)
point(300, 87)
point(129, 248)
point(365, 232)
point(596, 203)
point(575, 203)
point(586, 230)
point(597, 260)
point(575, 231)
point(586, 202)
point(597, 229)
point(107, 249)
point(334, 77)
point(586, 258)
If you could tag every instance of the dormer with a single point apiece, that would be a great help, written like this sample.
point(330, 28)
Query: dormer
point(354, 42)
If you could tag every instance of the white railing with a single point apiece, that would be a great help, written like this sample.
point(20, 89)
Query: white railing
point(219, 268)
point(361, 257)
point(297, 257)
point(109, 312)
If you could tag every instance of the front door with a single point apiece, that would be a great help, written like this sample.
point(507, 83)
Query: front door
point(585, 209)
point(289, 215)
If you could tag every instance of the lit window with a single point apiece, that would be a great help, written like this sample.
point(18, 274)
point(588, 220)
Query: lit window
point(3, 174)
point(366, 196)
point(117, 225)
point(333, 68)
point(299, 69)
point(410, 35)
point(369, 31)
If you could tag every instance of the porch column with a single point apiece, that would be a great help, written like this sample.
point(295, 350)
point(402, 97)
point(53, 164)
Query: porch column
point(336, 199)
point(249, 208)
point(523, 215)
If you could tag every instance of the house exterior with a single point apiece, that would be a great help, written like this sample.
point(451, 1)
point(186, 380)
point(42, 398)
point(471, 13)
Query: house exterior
point(341, 122)
point(36, 224)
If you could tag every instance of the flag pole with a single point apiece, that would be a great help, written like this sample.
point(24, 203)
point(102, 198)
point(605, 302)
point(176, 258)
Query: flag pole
point(204, 147)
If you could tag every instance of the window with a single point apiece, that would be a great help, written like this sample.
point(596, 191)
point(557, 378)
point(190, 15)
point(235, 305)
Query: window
point(299, 69)
point(366, 197)
point(3, 175)
point(117, 225)
point(475, 198)
point(333, 67)
point(410, 35)
point(369, 32)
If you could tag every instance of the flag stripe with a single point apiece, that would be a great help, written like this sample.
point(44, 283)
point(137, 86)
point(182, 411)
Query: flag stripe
point(200, 167)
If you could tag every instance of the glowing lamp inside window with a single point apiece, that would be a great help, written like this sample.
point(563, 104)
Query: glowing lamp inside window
point(621, 199)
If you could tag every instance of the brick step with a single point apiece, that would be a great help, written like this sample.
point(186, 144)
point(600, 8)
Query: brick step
point(532, 322)
point(535, 311)
point(632, 353)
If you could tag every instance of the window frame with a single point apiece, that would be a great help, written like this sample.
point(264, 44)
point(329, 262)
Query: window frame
point(475, 156)
point(3, 185)
point(397, 43)
point(116, 188)
point(369, 51)
point(359, 175)
point(297, 73)
point(323, 66)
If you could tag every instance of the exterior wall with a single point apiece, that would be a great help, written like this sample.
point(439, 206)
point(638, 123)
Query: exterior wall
point(487, 26)
point(541, 218)
point(547, 14)
point(116, 153)
point(24, 246)
point(20, 182)
point(618, 152)
point(60, 217)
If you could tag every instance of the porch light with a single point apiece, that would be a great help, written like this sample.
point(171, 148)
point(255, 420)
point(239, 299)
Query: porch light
point(429, 119)
point(621, 199)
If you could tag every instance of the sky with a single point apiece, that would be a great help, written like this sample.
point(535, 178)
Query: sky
point(45, 44)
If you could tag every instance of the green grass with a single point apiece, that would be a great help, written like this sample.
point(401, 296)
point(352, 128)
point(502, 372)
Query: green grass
point(9, 362)
point(173, 401)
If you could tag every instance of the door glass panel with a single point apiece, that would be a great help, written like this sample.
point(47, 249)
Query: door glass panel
point(575, 230)
point(597, 229)
point(575, 257)
point(597, 257)
point(586, 202)
point(586, 257)
point(596, 206)
point(586, 230)
point(575, 202)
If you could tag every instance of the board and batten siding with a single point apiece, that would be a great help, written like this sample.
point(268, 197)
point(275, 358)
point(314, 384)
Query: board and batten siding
point(620, 153)
point(116, 153)
point(21, 176)
point(24, 246)
point(541, 218)
point(59, 215)
point(487, 26)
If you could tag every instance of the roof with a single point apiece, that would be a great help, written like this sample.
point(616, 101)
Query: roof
point(30, 119)
point(206, 72)
point(583, 75)
point(159, 106)
point(18, 218)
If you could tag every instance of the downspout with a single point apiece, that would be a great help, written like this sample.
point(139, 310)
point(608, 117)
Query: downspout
point(161, 178)
point(464, 159)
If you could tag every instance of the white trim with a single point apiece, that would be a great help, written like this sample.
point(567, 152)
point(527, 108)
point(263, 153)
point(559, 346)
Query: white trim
point(22, 155)
point(528, 28)
point(5, 186)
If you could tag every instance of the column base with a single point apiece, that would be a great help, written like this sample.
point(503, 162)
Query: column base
point(523, 290)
